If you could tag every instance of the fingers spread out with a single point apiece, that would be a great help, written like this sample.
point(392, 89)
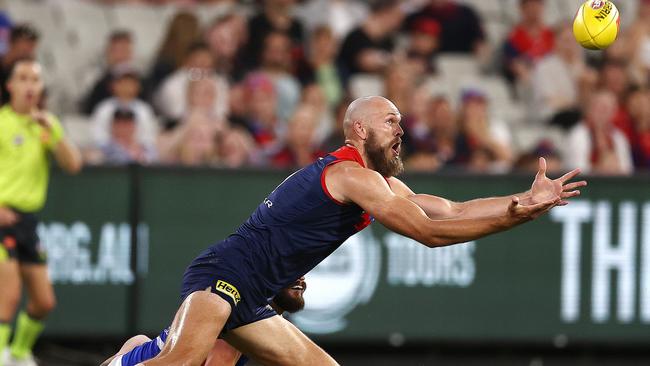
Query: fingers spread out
point(574, 185)
point(570, 194)
point(570, 175)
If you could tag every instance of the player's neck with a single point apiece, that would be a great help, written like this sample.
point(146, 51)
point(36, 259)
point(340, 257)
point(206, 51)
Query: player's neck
point(21, 108)
point(277, 309)
point(359, 147)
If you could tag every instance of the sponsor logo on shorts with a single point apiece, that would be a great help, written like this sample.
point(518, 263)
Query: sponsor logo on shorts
point(9, 242)
point(228, 289)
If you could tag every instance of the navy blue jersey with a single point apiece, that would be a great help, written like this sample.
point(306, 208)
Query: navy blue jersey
point(297, 226)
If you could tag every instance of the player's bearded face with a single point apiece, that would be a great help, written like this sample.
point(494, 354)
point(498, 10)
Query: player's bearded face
point(290, 299)
point(383, 158)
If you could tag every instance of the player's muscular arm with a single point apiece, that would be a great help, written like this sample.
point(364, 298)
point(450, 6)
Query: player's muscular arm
point(368, 189)
point(440, 208)
point(542, 189)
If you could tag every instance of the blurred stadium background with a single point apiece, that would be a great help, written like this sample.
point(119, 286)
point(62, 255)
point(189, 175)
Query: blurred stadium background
point(188, 112)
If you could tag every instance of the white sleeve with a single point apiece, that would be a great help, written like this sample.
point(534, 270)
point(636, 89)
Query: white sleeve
point(221, 105)
point(500, 132)
point(623, 152)
point(101, 122)
point(172, 96)
point(577, 150)
point(147, 126)
point(542, 88)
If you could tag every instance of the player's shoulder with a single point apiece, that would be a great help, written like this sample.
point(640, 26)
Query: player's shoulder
point(349, 175)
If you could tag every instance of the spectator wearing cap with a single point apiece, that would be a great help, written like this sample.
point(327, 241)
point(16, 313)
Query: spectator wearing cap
point(23, 40)
point(528, 42)
point(125, 87)
point(118, 53)
point(595, 144)
point(424, 42)
point(123, 146)
point(171, 99)
point(484, 142)
point(368, 48)
point(461, 27)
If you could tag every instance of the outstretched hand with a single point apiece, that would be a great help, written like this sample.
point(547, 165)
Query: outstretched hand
point(545, 189)
point(522, 213)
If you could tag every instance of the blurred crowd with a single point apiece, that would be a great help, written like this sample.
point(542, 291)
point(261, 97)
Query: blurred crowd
point(269, 88)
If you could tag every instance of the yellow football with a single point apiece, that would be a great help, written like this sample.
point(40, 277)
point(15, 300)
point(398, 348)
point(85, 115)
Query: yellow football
point(596, 23)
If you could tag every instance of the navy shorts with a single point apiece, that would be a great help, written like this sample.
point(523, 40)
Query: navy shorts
point(21, 241)
point(222, 275)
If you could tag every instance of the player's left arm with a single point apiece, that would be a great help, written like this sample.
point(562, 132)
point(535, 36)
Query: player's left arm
point(541, 189)
point(65, 152)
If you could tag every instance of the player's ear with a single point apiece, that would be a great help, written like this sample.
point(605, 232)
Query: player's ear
point(360, 129)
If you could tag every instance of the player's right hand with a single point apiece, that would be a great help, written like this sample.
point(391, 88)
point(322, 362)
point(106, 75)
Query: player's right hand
point(7, 217)
point(522, 213)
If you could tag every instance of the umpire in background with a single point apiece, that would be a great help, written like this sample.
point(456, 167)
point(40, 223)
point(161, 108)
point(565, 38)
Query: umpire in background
point(28, 137)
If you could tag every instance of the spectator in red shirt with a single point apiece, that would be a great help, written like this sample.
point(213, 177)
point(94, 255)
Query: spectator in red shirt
point(528, 42)
point(614, 77)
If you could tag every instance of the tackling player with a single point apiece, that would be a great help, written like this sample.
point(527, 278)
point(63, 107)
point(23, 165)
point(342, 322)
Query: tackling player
point(140, 347)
